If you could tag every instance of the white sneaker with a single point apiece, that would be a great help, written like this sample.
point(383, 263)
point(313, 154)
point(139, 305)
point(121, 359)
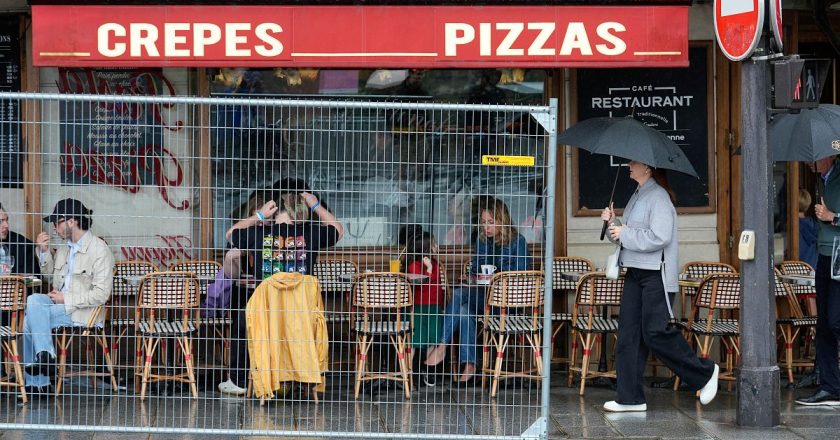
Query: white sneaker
point(228, 387)
point(708, 392)
point(613, 406)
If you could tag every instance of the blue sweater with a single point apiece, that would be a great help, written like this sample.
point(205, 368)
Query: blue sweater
point(512, 256)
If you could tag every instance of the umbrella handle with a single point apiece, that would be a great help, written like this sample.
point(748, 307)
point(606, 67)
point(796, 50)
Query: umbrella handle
point(604, 230)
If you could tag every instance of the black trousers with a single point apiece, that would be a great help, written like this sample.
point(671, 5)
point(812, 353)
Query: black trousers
point(239, 335)
point(828, 326)
point(643, 327)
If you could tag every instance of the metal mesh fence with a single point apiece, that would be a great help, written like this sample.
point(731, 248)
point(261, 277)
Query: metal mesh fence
point(277, 267)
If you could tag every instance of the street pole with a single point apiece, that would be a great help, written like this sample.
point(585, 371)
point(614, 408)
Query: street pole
point(758, 372)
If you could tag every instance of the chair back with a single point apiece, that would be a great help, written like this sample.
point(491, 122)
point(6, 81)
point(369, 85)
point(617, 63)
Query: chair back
point(129, 268)
point(720, 291)
point(201, 268)
point(795, 267)
point(785, 293)
point(595, 289)
point(568, 264)
point(205, 269)
point(329, 271)
point(13, 300)
point(168, 290)
point(381, 290)
point(699, 269)
point(465, 270)
point(516, 289)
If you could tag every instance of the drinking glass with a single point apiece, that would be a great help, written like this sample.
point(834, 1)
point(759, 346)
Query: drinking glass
point(7, 263)
point(394, 263)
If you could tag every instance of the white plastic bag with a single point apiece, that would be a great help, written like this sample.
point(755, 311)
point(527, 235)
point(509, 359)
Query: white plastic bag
point(835, 260)
point(611, 269)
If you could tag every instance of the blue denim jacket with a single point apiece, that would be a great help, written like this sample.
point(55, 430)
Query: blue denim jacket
point(512, 256)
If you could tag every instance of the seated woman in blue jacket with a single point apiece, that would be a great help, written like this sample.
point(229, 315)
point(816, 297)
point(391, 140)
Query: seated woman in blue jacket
point(500, 245)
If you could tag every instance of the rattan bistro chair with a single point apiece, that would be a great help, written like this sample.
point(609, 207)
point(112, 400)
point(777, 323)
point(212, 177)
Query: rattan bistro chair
point(12, 304)
point(167, 308)
point(561, 320)
point(792, 322)
point(206, 270)
point(808, 321)
point(94, 328)
point(507, 294)
point(698, 270)
point(123, 301)
point(591, 321)
point(334, 287)
point(383, 309)
point(718, 293)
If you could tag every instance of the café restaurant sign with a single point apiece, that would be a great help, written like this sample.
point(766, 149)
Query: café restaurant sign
point(360, 36)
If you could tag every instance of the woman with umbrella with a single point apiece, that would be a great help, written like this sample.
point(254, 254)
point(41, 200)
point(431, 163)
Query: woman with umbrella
point(648, 250)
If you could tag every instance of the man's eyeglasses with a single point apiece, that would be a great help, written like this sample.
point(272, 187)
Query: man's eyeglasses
point(59, 222)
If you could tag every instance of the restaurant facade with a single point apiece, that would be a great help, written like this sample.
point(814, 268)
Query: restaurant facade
point(654, 60)
point(166, 179)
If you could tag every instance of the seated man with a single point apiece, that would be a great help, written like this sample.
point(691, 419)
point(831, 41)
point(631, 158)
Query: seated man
point(17, 246)
point(81, 273)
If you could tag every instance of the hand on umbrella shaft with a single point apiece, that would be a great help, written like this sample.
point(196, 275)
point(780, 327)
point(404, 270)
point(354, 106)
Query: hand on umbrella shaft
point(822, 211)
point(608, 214)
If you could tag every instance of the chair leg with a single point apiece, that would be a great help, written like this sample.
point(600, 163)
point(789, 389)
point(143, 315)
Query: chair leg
point(63, 342)
point(12, 350)
point(149, 351)
point(501, 346)
point(399, 345)
point(487, 338)
point(788, 337)
point(85, 339)
point(361, 362)
point(573, 357)
point(536, 348)
point(584, 366)
point(186, 349)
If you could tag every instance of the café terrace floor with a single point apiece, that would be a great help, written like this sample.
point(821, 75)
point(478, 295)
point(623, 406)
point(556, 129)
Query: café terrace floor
point(440, 410)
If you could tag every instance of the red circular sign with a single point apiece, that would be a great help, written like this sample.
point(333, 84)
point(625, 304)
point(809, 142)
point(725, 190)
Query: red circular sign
point(738, 25)
point(776, 22)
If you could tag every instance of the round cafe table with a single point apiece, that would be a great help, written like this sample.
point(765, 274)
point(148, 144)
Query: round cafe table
point(413, 278)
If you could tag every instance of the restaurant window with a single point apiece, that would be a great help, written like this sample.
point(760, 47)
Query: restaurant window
point(406, 177)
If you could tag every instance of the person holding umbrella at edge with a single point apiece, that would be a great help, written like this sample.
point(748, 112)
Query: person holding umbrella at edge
point(828, 289)
point(649, 252)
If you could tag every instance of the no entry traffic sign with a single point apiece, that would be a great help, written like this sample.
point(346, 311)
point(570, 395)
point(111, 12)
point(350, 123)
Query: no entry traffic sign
point(738, 25)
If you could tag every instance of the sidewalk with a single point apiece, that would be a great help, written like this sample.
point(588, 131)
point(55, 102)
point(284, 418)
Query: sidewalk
point(670, 415)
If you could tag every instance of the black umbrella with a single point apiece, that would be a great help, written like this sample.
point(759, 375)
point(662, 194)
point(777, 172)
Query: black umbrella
point(807, 136)
point(630, 139)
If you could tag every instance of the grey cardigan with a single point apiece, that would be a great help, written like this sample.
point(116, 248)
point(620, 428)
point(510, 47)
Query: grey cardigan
point(650, 222)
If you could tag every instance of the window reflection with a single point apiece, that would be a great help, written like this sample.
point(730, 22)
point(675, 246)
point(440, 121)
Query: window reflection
point(381, 169)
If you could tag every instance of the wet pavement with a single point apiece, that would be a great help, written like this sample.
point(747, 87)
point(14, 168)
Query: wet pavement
point(441, 410)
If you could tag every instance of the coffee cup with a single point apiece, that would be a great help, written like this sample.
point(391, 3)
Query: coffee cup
point(488, 269)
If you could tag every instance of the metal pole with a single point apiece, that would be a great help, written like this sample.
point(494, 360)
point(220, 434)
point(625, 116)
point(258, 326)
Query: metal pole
point(758, 374)
point(551, 162)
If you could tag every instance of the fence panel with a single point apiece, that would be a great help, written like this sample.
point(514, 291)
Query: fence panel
point(308, 268)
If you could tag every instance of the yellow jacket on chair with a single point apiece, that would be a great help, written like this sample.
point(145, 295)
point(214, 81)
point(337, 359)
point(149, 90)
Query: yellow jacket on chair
point(287, 333)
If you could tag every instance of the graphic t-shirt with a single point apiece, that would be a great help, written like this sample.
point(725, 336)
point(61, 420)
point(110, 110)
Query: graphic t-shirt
point(284, 247)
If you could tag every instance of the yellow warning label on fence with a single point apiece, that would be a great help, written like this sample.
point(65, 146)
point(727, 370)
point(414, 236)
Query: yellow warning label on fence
point(508, 161)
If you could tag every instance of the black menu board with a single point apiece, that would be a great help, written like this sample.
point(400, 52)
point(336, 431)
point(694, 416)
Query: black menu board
point(11, 159)
point(673, 101)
